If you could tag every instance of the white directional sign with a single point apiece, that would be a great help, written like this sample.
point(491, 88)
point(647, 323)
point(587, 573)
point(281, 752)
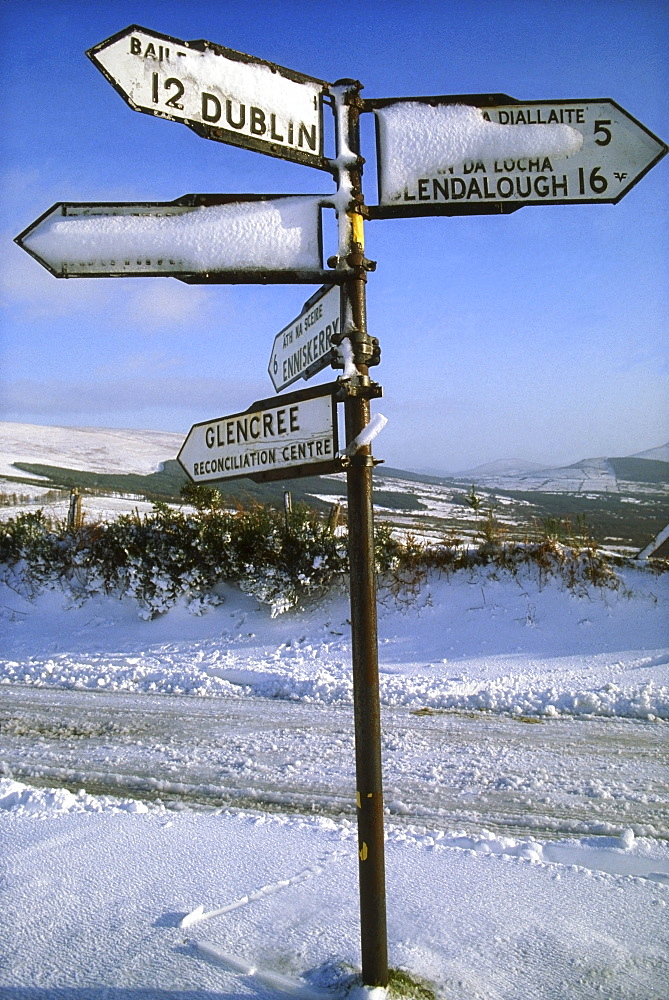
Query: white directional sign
point(293, 436)
point(197, 238)
point(490, 153)
point(305, 346)
point(219, 93)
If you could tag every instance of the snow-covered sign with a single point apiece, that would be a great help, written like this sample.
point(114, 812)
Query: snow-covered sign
point(489, 153)
point(196, 238)
point(304, 347)
point(219, 93)
point(295, 436)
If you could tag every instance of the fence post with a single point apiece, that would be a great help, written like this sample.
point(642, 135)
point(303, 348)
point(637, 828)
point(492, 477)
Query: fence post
point(74, 511)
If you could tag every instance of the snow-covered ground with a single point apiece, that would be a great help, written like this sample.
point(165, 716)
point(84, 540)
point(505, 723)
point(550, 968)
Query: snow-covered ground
point(94, 893)
point(95, 508)
point(527, 794)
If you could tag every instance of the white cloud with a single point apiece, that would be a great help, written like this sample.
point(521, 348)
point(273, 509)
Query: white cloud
point(144, 364)
point(30, 293)
point(28, 287)
point(167, 303)
point(199, 398)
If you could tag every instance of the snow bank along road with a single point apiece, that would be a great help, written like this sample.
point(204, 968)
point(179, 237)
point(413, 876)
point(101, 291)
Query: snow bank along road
point(445, 771)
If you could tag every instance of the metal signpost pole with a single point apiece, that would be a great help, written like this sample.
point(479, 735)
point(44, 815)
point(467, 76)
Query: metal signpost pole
point(369, 791)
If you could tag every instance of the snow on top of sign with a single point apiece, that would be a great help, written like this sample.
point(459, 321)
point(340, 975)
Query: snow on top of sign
point(253, 235)
point(251, 83)
point(419, 140)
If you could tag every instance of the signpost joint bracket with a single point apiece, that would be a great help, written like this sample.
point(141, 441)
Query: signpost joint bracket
point(359, 386)
point(354, 100)
point(361, 461)
point(357, 261)
point(357, 205)
point(366, 349)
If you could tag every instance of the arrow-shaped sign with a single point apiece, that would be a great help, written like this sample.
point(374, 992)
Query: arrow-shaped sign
point(219, 93)
point(304, 347)
point(197, 238)
point(489, 153)
point(279, 438)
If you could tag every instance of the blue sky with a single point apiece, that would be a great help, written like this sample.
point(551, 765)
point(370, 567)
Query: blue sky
point(540, 335)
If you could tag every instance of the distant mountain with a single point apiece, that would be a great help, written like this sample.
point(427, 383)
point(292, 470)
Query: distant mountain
point(660, 454)
point(593, 475)
point(502, 467)
point(623, 499)
point(137, 461)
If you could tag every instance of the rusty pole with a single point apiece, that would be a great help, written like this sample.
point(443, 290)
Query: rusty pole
point(357, 392)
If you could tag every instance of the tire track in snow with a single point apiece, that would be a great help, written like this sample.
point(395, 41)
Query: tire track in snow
point(198, 915)
point(266, 977)
point(445, 771)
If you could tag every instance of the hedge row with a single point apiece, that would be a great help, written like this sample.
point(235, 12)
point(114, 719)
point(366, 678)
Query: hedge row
point(173, 554)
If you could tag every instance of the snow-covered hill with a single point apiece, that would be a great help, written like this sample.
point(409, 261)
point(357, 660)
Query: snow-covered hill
point(108, 450)
point(660, 454)
point(502, 467)
point(589, 475)
point(89, 449)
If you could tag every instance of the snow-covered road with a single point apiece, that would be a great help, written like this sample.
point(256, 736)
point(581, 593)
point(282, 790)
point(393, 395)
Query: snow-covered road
point(446, 771)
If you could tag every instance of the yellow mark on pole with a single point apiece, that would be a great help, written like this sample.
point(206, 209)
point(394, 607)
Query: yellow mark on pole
point(357, 800)
point(357, 228)
point(363, 852)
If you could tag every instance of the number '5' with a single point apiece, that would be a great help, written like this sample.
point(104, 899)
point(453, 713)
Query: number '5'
point(600, 127)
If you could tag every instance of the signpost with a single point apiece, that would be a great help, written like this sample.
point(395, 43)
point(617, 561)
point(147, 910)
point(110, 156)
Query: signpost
point(219, 93)
point(489, 153)
point(458, 155)
point(305, 347)
point(272, 439)
point(197, 239)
